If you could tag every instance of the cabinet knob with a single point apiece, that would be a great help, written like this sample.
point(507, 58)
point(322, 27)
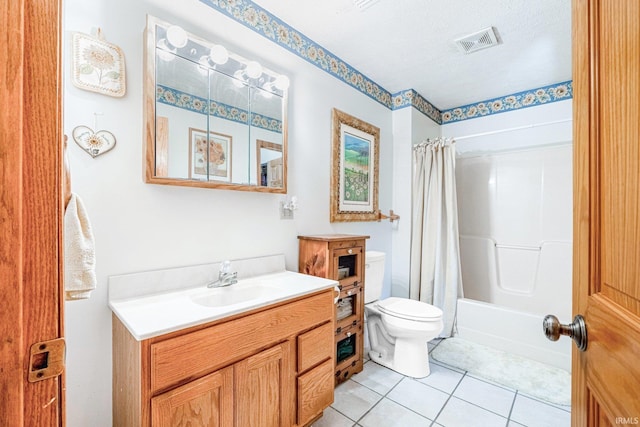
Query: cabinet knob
point(350, 251)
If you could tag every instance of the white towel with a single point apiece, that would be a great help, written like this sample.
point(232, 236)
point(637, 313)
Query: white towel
point(79, 251)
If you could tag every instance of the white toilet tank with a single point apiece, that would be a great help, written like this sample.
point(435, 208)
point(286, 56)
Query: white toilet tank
point(373, 275)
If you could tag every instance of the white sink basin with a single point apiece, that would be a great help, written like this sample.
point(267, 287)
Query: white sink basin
point(150, 313)
point(228, 295)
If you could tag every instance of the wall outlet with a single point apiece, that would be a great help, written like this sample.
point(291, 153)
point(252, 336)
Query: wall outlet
point(285, 213)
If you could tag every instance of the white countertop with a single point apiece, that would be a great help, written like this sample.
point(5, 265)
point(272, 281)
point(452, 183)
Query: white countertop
point(147, 316)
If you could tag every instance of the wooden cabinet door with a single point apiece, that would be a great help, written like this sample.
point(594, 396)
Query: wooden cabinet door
point(352, 260)
point(206, 402)
point(264, 389)
point(606, 377)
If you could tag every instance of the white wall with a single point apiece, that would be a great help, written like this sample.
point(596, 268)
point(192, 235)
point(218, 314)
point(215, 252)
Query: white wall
point(141, 227)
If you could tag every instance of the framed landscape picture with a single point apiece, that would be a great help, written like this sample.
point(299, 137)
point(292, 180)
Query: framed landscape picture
point(354, 175)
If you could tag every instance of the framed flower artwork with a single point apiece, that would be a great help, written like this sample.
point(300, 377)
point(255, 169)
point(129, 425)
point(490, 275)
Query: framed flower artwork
point(209, 157)
point(354, 175)
point(98, 66)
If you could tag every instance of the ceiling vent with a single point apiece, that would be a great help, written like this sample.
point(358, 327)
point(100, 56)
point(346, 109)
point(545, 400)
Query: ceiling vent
point(477, 41)
point(364, 4)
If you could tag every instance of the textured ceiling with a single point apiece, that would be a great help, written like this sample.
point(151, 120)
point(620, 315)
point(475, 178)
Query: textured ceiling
point(408, 44)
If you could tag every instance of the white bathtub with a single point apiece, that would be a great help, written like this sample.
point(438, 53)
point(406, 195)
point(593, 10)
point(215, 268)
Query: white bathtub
point(512, 331)
point(515, 220)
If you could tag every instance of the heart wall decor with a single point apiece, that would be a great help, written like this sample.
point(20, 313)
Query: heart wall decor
point(94, 143)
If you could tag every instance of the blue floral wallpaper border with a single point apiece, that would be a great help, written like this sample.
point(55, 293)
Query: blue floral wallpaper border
point(270, 26)
point(186, 101)
point(411, 98)
point(529, 98)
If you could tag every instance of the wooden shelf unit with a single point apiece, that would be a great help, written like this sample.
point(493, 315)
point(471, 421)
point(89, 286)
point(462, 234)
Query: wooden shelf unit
point(341, 257)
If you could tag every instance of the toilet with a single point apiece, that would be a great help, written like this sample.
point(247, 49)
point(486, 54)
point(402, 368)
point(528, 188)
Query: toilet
point(398, 328)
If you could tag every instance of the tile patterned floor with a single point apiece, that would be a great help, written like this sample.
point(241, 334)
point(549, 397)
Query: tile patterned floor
point(380, 397)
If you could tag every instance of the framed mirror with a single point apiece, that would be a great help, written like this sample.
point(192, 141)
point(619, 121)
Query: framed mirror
point(212, 118)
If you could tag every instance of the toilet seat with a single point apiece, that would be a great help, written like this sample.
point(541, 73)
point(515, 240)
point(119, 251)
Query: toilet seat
point(409, 309)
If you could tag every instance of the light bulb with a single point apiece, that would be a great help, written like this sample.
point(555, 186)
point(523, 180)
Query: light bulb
point(282, 82)
point(219, 54)
point(177, 36)
point(254, 69)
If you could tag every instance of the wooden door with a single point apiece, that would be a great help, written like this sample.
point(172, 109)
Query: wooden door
point(265, 389)
point(606, 59)
point(206, 402)
point(30, 206)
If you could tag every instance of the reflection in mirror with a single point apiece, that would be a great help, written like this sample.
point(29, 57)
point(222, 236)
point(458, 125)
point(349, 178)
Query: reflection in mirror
point(269, 163)
point(208, 112)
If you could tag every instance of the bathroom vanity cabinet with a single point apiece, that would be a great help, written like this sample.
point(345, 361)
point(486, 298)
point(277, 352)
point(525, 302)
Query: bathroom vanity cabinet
point(341, 257)
point(272, 366)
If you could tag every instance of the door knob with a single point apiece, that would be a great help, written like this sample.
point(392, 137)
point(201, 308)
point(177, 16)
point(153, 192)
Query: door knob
point(577, 330)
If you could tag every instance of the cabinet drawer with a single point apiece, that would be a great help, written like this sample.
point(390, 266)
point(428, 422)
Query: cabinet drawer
point(350, 243)
point(351, 289)
point(315, 391)
point(345, 329)
point(315, 346)
point(209, 349)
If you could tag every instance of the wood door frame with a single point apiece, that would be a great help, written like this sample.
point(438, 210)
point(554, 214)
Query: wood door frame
point(585, 210)
point(30, 206)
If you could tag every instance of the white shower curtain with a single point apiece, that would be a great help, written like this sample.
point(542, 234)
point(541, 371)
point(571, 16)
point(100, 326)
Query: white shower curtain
point(435, 276)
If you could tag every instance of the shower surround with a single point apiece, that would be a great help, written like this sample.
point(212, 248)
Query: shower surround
point(515, 219)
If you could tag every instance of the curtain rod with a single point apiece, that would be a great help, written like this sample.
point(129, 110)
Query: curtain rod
point(493, 132)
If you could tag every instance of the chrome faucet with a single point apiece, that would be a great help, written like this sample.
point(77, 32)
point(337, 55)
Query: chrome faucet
point(225, 276)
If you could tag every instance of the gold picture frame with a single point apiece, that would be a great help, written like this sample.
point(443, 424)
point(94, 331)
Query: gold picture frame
point(354, 169)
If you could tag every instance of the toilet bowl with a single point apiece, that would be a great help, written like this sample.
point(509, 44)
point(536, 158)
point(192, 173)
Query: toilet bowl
point(398, 328)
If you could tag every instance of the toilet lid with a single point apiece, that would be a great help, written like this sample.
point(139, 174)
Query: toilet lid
point(409, 309)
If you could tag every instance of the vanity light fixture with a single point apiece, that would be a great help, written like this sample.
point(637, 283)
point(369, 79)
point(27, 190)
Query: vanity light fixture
point(219, 54)
point(253, 70)
point(176, 36)
point(282, 82)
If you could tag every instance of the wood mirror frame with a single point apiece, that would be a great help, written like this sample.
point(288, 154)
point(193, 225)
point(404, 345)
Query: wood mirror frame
point(156, 137)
